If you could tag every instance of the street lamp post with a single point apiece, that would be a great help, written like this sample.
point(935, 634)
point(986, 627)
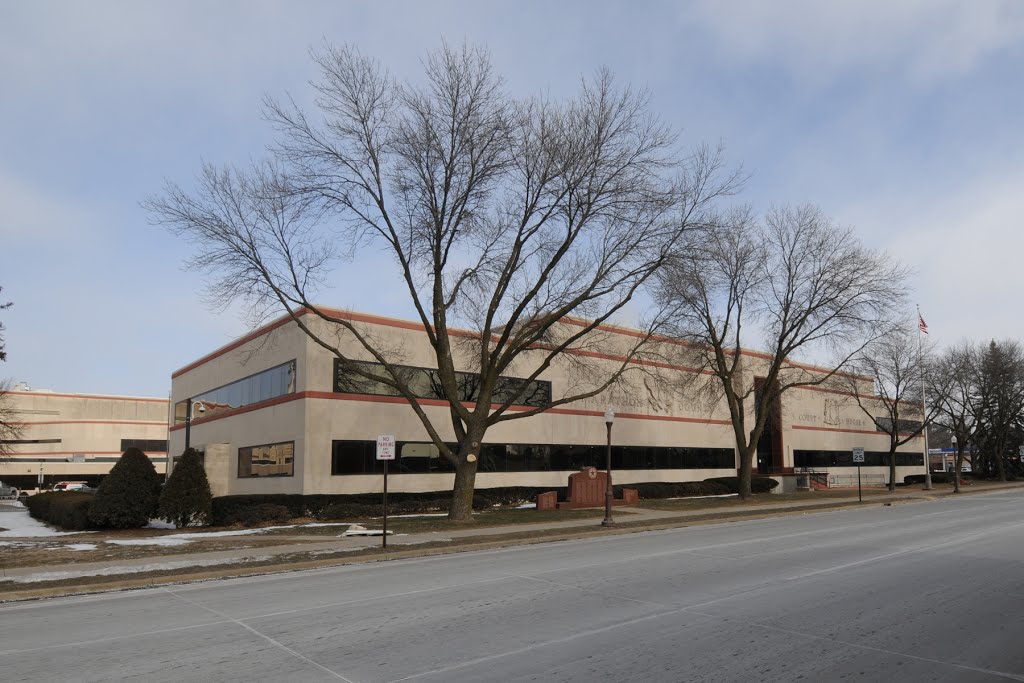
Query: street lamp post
point(952, 442)
point(609, 418)
point(188, 420)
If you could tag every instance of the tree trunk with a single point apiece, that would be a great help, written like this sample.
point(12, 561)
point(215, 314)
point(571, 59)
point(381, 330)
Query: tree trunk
point(461, 509)
point(1000, 465)
point(746, 470)
point(892, 470)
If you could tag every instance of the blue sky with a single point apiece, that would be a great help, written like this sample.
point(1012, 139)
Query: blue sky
point(901, 118)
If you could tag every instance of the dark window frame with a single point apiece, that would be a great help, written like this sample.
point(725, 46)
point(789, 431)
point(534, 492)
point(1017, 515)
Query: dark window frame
point(249, 449)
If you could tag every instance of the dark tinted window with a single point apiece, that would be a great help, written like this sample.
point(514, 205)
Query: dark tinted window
point(359, 457)
point(425, 383)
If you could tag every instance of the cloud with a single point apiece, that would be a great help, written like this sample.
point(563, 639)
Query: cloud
point(927, 40)
point(965, 249)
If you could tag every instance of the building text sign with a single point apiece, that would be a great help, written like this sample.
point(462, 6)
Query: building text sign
point(386, 447)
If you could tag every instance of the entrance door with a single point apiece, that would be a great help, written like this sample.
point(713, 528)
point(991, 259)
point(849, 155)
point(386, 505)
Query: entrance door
point(769, 446)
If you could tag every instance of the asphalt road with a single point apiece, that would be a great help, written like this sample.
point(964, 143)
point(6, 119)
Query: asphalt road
point(928, 591)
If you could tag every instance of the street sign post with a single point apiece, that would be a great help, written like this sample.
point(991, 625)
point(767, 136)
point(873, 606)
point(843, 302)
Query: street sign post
point(858, 458)
point(385, 452)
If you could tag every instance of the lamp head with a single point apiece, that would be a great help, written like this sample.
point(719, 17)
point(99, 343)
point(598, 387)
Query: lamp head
point(609, 416)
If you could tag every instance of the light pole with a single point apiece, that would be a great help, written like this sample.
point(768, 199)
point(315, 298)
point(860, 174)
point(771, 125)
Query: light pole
point(609, 418)
point(188, 420)
point(952, 442)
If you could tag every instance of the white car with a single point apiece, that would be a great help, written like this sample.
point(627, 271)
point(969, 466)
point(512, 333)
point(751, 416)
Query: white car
point(71, 486)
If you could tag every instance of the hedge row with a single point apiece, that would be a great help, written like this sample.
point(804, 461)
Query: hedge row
point(66, 509)
point(757, 484)
point(937, 478)
point(679, 489)
point(252, 510)
point(240, 509)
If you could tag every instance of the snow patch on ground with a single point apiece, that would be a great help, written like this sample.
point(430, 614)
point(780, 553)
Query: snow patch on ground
point(157, 540)
point(73, 546)
point(160, 524)
point(136, 569)
point(20, 524)
point(189, 536)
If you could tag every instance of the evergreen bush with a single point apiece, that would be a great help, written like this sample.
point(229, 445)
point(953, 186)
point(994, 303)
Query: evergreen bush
point(127, 497)
point(186, 499)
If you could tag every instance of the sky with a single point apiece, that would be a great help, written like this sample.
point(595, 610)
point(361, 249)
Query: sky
point(900, 118)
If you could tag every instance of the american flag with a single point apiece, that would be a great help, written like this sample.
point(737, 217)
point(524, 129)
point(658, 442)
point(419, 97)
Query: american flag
point(921, 324)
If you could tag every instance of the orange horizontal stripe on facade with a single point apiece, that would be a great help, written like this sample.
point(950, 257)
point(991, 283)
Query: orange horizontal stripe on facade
point(94, 422)
point(847, 431)
point(95, 396)
point(332, 396)
point(29, 455)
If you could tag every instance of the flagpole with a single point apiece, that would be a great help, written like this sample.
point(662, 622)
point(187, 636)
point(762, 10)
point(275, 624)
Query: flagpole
point(924, 407)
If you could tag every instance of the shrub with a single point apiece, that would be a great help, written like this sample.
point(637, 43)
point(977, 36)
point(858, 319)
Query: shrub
point(260, 513)
point(757, 484)
point(68, 510)
point(127, 497)
point(186, 498)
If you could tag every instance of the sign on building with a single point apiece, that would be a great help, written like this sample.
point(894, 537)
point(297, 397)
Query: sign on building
point(386, 447)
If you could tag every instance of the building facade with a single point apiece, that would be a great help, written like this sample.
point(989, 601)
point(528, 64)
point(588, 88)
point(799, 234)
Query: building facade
point(80, 436)
point(275, 412)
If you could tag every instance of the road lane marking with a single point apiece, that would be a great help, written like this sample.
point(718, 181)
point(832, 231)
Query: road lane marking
point(264, 636)
point(966, 537)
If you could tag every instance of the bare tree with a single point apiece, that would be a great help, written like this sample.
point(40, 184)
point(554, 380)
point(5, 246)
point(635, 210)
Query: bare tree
point(3, 344)
point(951, 386)
point(808, 285)
point(11, 428)
point(892, 399)
point(530, 222)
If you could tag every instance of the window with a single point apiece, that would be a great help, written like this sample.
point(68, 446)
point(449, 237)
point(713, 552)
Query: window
point(360, 457)
point(884, 424)
point(425, 383)
point(263, 386)
point(814, 459)
point(270, 460)
point(145, 445)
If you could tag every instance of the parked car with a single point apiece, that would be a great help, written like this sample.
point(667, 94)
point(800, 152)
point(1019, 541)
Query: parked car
point(8, 491)
point(71, 486)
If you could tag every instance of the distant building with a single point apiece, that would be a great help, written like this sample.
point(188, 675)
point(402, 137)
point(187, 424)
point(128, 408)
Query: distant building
point(80, 436)
point(274, 412)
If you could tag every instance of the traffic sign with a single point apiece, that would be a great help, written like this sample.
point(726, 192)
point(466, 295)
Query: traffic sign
point(858, 454)
point(386, 447)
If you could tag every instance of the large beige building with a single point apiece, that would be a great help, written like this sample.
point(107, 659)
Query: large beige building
point(80, 436)
point(274, 413)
